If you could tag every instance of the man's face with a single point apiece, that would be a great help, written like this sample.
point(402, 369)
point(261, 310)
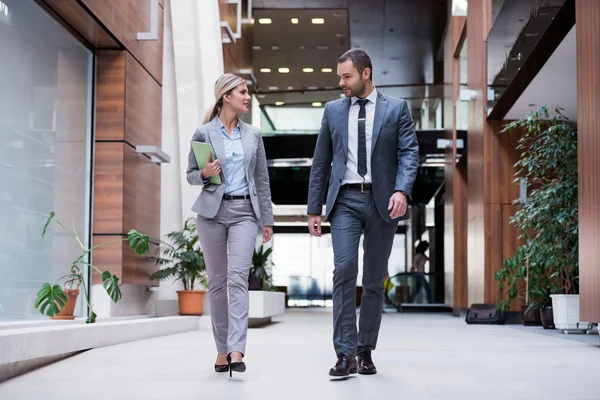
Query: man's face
point(351, 81)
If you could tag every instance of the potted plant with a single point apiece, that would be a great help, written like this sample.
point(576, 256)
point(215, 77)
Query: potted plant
point(259, 278)
point(548, 217)
point(183, 259)
point(58, 302)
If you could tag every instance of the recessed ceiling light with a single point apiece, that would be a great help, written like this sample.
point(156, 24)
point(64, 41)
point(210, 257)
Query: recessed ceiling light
point(301, 48)
point(317, 104)
point(290, 88)
point(284, 70)
point(274, 47)
point(326, 70)
point(318, 21)
point(329, 87)
point(265, 70)
point(256, 47)
point(322, 47)
point(338, 14)
point(252, 21)
point(279, 103)
point(261, 96)
point(313, 87)
point(273, 87)
point(295, 21)
point(264, 21)
point(340, 35)
point(307, 70)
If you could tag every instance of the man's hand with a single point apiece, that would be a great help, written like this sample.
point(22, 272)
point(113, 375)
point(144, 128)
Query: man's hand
point(398, 205)
point(314, 225)
point(211, 168)
point(267, 233)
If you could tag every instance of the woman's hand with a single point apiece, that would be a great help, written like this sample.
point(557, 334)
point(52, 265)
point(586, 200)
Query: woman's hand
point(211, 168)
point(267, 233)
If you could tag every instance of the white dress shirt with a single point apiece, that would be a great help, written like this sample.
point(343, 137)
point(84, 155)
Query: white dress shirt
point(351, 175)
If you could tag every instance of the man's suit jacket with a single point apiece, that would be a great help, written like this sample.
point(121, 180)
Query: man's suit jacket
point(394, 157)
point(255, 164)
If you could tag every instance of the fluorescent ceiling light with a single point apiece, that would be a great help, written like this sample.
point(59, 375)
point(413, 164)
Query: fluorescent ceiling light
point(313, 87)
point(264, 21)
point(256, 47)
point(327, 70)
point(317, 104)
point(295, 21)
point(279, 103)
point(265, 70)
point(290, 88)
point(308, 70)
point(318, 21)
point(459, 7)
point(301, 48)
point(322, 47)
point(284, 70)
point(273, 87)
point(274, 47)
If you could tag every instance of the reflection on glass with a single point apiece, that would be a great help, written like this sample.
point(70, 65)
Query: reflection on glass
point(45, 114)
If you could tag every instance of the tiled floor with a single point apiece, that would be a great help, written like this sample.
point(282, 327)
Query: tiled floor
point(419, 357)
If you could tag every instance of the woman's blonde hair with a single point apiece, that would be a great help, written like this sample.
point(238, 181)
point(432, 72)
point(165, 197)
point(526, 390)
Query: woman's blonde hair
point(224, 85)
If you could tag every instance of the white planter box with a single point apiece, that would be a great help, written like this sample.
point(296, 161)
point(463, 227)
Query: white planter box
point(565, 309)
point(266, 304)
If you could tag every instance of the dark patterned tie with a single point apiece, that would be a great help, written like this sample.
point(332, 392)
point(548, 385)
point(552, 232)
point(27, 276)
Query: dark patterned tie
point(362, 139)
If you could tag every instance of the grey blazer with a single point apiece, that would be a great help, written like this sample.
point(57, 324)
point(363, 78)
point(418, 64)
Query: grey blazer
point(209, 200)
point(394, 154)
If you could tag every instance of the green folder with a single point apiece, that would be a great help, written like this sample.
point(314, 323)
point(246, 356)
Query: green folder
point(201, 151)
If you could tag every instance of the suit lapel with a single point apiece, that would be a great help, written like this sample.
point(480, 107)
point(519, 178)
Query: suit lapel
point(380, 109)
point(345, 110)
point(247, 145)
point(216, 141)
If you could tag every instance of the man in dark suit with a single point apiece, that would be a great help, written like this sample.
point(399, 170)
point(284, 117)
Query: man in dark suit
point(367, 156)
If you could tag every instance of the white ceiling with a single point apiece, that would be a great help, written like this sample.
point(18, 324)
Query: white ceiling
point(555, 85)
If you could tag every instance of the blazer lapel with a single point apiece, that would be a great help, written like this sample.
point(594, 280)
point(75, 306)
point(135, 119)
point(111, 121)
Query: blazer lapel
point(247, 145)
point(216, 141)
point(380, 109)
point(345, 110)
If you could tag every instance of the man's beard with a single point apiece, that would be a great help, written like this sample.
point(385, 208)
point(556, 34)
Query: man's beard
point(359, 89)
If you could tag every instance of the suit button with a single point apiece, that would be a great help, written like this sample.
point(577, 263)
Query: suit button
point(340, 181)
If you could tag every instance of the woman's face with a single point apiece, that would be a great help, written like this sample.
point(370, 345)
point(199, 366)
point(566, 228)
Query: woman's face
point(239, 99)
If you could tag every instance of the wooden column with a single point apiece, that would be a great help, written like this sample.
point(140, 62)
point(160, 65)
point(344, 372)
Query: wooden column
point(588, 131)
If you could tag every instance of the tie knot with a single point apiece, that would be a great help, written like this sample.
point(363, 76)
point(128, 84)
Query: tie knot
point(362, 102)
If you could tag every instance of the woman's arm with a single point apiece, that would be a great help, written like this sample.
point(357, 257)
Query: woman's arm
point(261, 179)
point(194, 175)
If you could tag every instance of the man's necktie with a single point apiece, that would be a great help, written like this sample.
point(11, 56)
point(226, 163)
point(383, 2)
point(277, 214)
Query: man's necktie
point(362, 139)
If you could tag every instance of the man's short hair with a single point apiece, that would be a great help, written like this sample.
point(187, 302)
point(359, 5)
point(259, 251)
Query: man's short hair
point(360, 59)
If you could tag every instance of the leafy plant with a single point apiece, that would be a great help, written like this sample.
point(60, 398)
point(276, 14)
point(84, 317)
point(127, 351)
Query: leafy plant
point(182, 254)
point(548, 218)
point(260, 258)
point(51, 298)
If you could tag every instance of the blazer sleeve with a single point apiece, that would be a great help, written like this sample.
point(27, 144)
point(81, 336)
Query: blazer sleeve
point(261, 179)
point(408, 152)
point(194, 176)
point(321, 164)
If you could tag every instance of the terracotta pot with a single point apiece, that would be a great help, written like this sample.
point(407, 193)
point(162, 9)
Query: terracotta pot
point(191, 302)
point(69, 310)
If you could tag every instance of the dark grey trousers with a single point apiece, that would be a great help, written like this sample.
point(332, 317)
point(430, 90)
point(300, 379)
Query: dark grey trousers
point(355, 213)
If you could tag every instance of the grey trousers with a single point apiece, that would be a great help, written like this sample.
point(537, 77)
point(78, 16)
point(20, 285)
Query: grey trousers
point(355, 213)
point(228, 241)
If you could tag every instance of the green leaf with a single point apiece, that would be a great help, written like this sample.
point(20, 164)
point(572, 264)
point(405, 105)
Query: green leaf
point(50, 300)
point(92, 318)
point(138, 242)
point(47, 224)
point(111, 285)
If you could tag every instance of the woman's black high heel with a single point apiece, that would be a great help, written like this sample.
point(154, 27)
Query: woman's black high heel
point(221, 368)
point(235, 366)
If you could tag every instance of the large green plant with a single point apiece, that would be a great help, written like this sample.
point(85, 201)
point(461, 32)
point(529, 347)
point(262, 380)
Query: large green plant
point(548, 218)
point(260, 258)
point(51, 299)
point(182, 257)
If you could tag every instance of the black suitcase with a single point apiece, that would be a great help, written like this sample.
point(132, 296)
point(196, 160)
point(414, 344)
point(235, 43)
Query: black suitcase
point(484, 314)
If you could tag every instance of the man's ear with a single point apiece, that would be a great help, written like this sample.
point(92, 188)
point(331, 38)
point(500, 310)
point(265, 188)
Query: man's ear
point(367, 74)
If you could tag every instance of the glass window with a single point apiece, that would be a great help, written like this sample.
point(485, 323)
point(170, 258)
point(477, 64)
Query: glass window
point(45, 135)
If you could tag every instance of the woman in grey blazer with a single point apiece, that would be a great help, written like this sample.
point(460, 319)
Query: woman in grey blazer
point(230, 214)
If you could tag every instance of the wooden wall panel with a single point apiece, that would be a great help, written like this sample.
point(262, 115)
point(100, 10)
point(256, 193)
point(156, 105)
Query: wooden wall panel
point(236, 55)
point(124, 19)
point(588, 133)
point(108, 187)
point(143, 102)
point(110, 95)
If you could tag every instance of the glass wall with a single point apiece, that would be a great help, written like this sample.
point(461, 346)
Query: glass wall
point(45, 141)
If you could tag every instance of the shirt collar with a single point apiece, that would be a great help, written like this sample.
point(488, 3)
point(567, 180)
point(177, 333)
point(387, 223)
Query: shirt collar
point(237, 128)
point(371, 97)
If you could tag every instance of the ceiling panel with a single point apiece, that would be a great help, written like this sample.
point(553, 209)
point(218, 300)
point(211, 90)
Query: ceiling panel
point(280, 4)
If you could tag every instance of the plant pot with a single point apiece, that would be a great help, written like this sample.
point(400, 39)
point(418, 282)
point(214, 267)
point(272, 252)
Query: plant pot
point(255, 283)
point(531, 318)
point(69, 310)
point(547, 317)
point(191, 302)
point(565, 309)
